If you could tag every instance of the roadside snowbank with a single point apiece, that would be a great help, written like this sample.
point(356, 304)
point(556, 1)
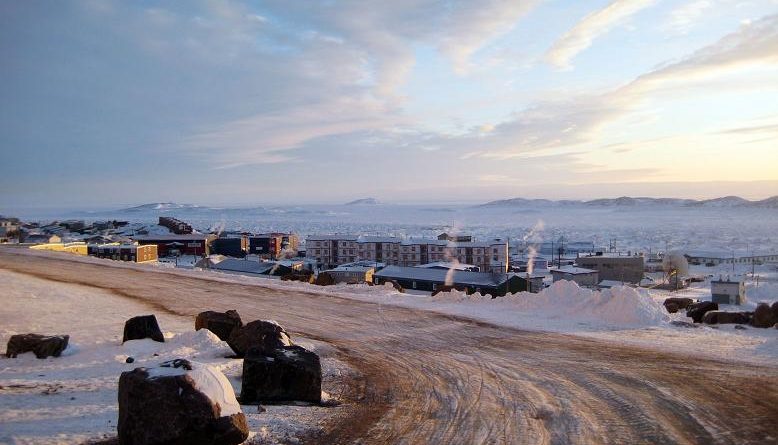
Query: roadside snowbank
point(619, 307)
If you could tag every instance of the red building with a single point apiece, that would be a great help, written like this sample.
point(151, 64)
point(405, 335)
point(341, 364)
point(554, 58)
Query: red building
point(196, 244)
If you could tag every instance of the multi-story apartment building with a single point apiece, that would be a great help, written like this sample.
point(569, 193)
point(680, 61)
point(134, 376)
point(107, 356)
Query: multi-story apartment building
point(334, 250)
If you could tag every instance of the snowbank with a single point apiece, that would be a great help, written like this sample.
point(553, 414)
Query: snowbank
point(767, 292)
point(619, 307)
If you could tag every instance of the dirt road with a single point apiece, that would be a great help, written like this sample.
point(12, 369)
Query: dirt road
point(434, 379)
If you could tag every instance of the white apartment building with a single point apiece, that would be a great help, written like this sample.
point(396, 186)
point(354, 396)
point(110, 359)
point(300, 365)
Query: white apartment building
point(334, 250)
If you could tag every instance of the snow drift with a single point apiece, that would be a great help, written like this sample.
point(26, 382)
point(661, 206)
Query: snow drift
point(622, 307)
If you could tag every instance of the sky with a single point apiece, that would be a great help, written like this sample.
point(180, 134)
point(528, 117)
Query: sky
point(108, 103)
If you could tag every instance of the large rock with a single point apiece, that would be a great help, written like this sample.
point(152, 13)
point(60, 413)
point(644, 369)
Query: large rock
point(41, 345)
point(763, 316)
point(220, 323)
point(324, 279)
point(179, 402)
point(671, 307)
point(723, 317)
point(774, 308)
point(265, 335)
point(142, 326)
point(680, 302)
point(697, 310)
point(285, 374)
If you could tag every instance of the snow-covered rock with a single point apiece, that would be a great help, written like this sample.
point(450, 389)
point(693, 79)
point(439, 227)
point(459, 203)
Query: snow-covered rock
point(179, 402)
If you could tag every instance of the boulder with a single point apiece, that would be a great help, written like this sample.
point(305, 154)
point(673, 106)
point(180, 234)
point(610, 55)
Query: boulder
point(265, 335)
point(41, 345)
point(291, 373)
point(143, 326)
point(220, 323)
point(683, 324)
point(774, 308)
point(681, 302)
point(671, 307)
point(763, 316)
point(697, 310)
point(179, 402)
point(324, 279)
point(723, 317)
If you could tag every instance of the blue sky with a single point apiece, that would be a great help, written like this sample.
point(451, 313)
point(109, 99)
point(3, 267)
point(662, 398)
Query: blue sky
point(230, 103)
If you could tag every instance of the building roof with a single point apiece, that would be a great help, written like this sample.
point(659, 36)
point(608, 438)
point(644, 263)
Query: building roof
point(572, 270)
point(612, 283)
point(484, 279)
point(244, 266)
point(448, 265)
point(344, 268)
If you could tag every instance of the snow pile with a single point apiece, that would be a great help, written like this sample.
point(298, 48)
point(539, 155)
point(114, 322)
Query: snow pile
point(208, 380)
point(201, 344)
point(622, 307)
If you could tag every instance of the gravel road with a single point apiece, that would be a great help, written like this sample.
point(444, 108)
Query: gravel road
point(435, 379)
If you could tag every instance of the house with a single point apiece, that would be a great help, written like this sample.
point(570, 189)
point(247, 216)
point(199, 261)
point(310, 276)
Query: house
point(9, 226)
point(334, 250)
point(614, 266)
point(79, 248)
point(124, 252)
point(175, 225)
point(40, 238)
point(196, 244)
point(429, 280)
point(351, 274)
point(455, 238)
point(230, 245)
point(246, 267)
point(273, 245)
point(727, 292)
point(584, 277)
point(713, 258)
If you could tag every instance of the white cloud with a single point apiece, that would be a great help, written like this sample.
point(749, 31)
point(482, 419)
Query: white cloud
point(589, 28)
point(684, 17)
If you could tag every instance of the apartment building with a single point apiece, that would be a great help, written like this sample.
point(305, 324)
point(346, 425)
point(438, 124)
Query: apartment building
point(334, 250)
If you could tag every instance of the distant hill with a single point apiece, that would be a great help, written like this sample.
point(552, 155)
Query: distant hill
point(626, 201)
point(160, 206)
point(363, 201)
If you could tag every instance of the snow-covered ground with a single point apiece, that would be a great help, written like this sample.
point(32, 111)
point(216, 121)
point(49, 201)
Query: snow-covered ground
point(72, 398)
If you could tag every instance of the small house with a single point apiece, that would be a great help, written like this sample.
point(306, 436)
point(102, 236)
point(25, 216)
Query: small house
point(728, 292)
point(429, 280)
point(584, 277)
point(352, 274)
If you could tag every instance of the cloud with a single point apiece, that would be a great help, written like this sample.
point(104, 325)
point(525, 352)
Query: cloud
point(684, 17)
point(558, 123)
point(589, 28)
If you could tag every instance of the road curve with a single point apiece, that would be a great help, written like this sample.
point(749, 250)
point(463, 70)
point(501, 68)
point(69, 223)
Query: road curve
point(435, 379)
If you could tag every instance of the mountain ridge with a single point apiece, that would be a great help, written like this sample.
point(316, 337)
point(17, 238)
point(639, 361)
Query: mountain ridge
point(627, 201)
